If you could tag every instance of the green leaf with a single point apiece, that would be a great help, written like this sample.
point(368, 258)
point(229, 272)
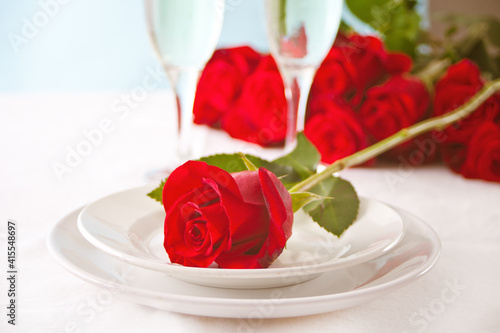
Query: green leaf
point(479, 54)
point(396, 20)
point(493, 30)
point(338, 214)
point(290, 169)
point(404, 31)
point(157, 193)
point(234, 163)
point(300, 199)
point(364, 9)
point(229, 162)
point(303, 159)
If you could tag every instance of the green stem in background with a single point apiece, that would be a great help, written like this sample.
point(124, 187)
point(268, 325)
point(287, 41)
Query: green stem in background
point(436, 123)
point(432, 71)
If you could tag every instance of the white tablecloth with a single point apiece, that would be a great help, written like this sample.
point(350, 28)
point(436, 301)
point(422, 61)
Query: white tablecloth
point(39, 131)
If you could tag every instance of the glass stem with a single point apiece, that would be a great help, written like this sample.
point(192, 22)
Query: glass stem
point(297, 86)
point(184, 82)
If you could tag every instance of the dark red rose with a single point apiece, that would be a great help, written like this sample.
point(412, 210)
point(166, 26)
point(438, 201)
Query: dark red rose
point(454, 151)
point(221, 82)
point(354, 64)
point(482, 159)
point(337, 76)
point(334, 129)
point(457, 86)
point(398, 63)
point(239, 221)
point(259, 116)
point(369, 56)
point(457, 136)
point(399, 103)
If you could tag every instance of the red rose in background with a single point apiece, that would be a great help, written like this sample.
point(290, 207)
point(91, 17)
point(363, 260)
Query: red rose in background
point(456, 87)
point(368, 55)
point(482, 159)
point(354, 64)
point(397, 63)
point(260, 114)
point(460, 82)
point(337, 76)
point(466, 149)
point(221, 82)
point(334, 129)
point(454, 151)
point(399, 103)
point(239, 221)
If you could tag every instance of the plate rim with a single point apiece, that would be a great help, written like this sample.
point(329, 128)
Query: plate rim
point(364, 292)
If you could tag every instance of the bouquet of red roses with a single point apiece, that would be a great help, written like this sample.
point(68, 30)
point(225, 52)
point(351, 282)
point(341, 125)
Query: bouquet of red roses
point(364, 93)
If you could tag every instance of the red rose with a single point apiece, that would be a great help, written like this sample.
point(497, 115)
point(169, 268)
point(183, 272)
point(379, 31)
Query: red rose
point(354, 64)
point(460, 83)
point(260, 113)
point(483, 153)
point(368, 55)
point(457, 86)
point(399, 103)
point(239, 221)
point(337, 76)
point(221, 82)
point(334, 129)
point(458, 136)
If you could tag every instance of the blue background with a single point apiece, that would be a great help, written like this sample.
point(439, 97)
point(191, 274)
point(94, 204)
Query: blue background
point(91, 45)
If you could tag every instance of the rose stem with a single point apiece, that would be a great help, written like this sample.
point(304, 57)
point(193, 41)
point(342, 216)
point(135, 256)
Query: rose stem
point(435, 123)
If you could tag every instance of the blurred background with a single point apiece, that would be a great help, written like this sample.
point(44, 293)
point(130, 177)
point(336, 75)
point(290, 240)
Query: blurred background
point(81, 46)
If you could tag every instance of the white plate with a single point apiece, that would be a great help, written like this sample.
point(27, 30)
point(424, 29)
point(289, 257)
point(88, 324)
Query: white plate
point(415, 255)
point(129, 226)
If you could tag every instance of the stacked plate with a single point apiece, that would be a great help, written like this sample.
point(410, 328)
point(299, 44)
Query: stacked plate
point(117, 242)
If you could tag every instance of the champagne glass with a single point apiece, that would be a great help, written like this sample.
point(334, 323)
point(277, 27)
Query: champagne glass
point(184, 34)
point(300, 34)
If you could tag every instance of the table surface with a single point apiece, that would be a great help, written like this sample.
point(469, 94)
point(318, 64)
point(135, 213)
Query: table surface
point(38, 131)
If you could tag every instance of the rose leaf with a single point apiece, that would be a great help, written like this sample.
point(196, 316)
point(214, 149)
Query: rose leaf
point(234, 163)
point(228, 162)
point(303, 159)
point(156, 194)
point(335, 215)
